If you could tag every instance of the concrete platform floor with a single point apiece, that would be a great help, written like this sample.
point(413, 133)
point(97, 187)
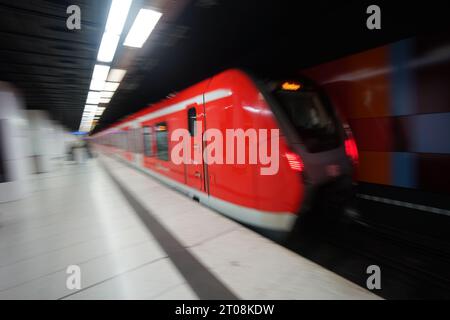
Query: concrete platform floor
point(133, 238)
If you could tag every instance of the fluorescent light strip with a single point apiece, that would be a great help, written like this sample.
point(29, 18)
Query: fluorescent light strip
point(104, 100)
point(117, 16)
point(90, 107)
point(143, 25)
point(116, 75)
point(97, 84)
point(100, 72)
point(108, 47)
point(99, 76)
point(106, 94)
point(111, 86)
point(93, 97)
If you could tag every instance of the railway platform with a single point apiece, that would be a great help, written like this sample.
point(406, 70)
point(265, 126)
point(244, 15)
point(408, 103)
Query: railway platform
point(123, 235)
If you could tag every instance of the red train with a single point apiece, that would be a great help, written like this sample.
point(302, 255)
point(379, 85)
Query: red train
point(316, 153)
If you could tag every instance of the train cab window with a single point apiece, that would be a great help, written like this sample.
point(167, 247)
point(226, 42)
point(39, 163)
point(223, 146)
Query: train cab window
point(162, 141)
point(148, 151)
point(311, 116)
point(192, 125)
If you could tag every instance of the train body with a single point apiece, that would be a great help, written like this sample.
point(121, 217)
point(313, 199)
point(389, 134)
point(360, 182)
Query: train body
point(315, 151)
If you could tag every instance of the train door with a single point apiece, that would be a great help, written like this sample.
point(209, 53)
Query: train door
point(194, 168)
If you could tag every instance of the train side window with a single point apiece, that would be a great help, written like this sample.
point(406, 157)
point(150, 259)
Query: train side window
point(192, 125)
point(148, 141)
point(162, 141)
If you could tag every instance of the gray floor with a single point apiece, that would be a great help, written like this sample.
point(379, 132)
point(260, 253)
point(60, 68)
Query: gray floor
point(78, 216)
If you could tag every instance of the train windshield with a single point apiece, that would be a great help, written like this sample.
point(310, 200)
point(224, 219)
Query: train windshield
point(310, 115)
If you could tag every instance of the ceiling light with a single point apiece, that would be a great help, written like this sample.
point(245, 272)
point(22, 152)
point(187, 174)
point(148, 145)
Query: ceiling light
point(100, 72)
point(116, 75)
point(108, 47)
point(143, 25)
point(97, 84)
point(90, 107)
point(105, 100)
point(106, 94)
point(93, 97)
point(117, 16)
point(111, 86)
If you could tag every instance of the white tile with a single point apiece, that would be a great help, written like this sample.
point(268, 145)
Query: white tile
point(53, 286)
point(256, 268)
point(30, 269)
point(78, 216)
point(147, 282)
point(75, 217)
point(252, 266)
point(179, 292)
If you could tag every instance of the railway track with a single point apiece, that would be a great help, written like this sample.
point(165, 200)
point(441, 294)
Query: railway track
point(413, 265)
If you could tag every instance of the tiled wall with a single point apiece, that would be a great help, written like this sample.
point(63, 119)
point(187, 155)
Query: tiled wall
point(397, 101)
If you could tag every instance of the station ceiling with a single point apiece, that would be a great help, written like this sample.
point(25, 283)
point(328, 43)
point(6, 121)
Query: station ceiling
point(52, 66)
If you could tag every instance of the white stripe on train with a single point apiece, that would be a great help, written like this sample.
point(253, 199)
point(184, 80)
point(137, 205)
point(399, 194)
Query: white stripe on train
point(280, 221)
point(208, 97)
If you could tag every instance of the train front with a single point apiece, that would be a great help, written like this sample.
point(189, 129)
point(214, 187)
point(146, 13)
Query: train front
point(319, 147)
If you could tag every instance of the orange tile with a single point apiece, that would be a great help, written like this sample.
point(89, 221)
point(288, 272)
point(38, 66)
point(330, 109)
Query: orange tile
point(358, 84)
point(374, 167)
